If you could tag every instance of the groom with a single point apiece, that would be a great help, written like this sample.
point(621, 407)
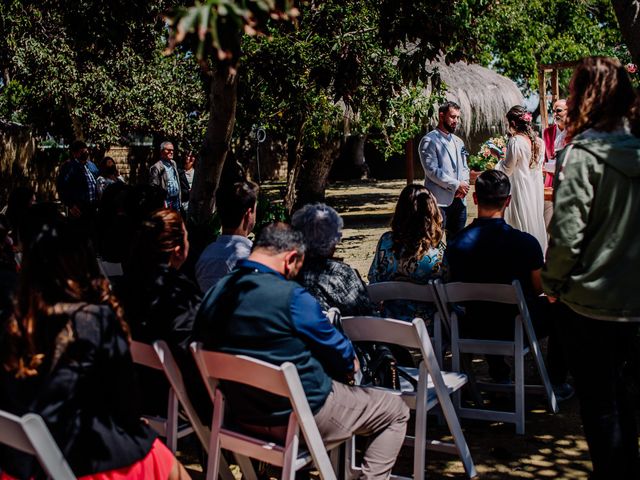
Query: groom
point(444, 160)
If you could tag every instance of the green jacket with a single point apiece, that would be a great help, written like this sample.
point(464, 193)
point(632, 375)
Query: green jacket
point(593, 260)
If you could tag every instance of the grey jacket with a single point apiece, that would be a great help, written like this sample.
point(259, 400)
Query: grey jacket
point(444, 168)
point(593, 260)
point(158, 176)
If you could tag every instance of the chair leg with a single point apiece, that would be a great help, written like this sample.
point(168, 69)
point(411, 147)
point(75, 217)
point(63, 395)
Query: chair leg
point(246, 467)
point(172, 422)
point(544, 376)
point(420, 440)
point(519, 384)
point(291, 449)
point(458, 437)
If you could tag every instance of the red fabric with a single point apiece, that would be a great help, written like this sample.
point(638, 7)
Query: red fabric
point(549, 137)
point(157, 465)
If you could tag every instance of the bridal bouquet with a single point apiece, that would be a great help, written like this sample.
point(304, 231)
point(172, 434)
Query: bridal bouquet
point(486, 156)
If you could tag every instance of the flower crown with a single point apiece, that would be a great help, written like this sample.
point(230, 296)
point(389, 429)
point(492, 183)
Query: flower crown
point(526, 117)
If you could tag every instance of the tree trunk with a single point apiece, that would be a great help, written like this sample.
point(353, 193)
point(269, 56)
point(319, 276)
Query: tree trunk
point(628, 13)
point(216, 145)
point(308, 178)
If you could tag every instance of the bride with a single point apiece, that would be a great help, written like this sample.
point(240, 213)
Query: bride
point(523, 165)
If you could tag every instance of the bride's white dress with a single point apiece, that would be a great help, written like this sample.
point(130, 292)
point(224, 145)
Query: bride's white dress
point(526, 211)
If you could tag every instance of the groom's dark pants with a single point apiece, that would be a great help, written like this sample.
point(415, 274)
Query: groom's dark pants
point(454, 217)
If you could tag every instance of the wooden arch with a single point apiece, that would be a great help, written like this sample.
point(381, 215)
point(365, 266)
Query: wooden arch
point(552, 68)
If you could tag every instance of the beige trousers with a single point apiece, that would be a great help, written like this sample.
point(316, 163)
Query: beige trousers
point(369, 412)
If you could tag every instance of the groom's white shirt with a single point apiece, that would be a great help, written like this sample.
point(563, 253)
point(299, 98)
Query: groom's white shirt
point(445, 165)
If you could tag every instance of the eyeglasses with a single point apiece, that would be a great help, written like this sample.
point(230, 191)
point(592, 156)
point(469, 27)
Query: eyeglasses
point(559, 110)
point(168, 149)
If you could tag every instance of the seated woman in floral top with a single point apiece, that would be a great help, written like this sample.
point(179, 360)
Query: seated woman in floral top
point(412, 251)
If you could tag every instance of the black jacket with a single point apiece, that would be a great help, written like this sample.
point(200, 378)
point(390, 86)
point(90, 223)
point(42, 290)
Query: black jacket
point(87, 396)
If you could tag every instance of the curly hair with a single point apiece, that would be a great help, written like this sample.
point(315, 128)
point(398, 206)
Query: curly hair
point(520, 120)
point(59, 268)
point(416, 225)
point(601, 95)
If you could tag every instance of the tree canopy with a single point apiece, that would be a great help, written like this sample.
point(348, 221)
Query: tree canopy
point(94, 70)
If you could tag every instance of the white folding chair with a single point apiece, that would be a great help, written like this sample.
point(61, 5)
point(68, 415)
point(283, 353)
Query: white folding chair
point(433, 386)
point(283, 381)
point(30, 435)
point(110, 269)
point(174, 376)
point(413, 292)
point(452, 293)
point(168, 427)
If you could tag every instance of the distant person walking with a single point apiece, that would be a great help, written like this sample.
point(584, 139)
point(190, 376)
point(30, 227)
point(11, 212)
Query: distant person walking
point(444, 160)
point(164, 173)
point(594, 258)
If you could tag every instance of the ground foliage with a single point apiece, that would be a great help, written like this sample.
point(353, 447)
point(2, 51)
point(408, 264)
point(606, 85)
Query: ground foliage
point(94, 69)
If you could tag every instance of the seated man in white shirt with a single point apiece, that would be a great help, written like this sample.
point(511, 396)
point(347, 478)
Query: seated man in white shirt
point(236, 206)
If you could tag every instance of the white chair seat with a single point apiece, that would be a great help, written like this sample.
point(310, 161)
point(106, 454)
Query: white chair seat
point(452, 380)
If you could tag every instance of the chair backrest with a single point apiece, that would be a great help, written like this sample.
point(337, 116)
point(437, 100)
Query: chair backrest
point(173, 374)
point(30, 435)
point(456, 292)
point(379, 292)
point(283, 381)
point(218, 366)
point(384, 330)
point(481, 292)
point(145, 355)
point(110, 269)
point(397, 332)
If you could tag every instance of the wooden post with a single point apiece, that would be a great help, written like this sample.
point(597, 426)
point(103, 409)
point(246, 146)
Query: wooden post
point(542, 83)
point(409, 158)
point(555, 86)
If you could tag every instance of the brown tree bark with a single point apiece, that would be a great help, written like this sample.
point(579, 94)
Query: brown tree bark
point(628, 13)
point(216, 145)
point(308, 178)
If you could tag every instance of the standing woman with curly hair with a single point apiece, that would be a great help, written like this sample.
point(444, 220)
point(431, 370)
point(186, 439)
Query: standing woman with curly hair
point(594, 258)
point(523, 165)
point(412, 251)
point(65, 356)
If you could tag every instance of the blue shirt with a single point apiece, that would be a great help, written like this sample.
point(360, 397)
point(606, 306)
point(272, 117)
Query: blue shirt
point(219, 258)
point(173, 183)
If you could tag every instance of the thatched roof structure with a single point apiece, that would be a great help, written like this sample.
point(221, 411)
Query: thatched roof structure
point(484, 96)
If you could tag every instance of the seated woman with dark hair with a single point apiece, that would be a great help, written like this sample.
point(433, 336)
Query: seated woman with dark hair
point(161, 303)
point(65, 356)
point(412, 251)
point(332, 282)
